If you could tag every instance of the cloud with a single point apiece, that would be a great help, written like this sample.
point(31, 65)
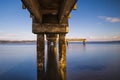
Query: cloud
point(110, 19)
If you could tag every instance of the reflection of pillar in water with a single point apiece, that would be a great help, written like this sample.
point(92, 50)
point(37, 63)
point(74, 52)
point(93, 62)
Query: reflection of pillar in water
point(40, 56)
point(62, 56)
point(52, 67)
point(62, 73)
point(41, 74)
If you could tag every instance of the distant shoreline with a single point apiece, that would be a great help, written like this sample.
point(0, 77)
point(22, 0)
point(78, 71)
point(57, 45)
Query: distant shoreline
point(33, 41)
point(6, 41)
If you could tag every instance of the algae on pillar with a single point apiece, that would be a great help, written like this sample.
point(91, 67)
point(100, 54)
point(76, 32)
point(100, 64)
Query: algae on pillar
point(62, 56)
point(40, 51)
point(62, 49)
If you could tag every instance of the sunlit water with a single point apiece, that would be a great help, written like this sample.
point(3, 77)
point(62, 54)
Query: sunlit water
point(90, 62)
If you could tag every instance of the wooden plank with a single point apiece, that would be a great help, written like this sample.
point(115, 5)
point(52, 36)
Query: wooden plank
point(66, 7)
point(23, 6)
point(49, 28)
point(78, 39)
point(34, 8)
point(54, 12)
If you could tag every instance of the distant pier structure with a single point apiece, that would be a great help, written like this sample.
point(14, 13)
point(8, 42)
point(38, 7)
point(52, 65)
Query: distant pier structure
point(76, 40)
point(50, 19)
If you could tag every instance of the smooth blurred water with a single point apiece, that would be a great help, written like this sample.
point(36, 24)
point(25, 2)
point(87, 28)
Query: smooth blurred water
point(90, 62)
point(93, 62)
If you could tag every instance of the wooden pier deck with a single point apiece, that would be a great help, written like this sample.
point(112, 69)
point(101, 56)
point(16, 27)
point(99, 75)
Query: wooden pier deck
point(76, 40)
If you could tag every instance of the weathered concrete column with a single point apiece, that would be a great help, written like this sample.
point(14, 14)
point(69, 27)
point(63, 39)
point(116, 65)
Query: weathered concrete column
point(51, 38)
point(62, 49)
point(62, 56)
point(40, 51)
point(48, 45)
point(54, 42)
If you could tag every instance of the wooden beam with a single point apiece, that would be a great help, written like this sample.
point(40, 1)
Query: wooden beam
point(23, 6)
point(66, 7)
point(75, 7)
point(78, 39)
point(34, 8)
point(54, 12)
point(49, 28)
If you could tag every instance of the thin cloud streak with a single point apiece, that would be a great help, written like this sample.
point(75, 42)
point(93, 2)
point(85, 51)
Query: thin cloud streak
point(110, 19)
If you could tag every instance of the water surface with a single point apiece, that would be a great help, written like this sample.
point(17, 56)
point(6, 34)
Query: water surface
point(91, 62)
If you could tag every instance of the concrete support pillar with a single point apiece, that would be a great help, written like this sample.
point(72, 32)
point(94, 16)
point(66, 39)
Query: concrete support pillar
point(54, 42)
point(51, 40)
point(48, 45)
point(62, 56)
point(62, 49)
point(40, 51)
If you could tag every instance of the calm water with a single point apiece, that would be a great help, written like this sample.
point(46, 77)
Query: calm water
point(90, 62)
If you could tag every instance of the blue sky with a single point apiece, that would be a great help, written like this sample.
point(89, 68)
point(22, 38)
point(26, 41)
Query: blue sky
point(95, 20)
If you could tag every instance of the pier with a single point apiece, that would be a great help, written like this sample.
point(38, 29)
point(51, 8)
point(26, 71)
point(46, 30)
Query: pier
point(50, 19)
point(76, 40)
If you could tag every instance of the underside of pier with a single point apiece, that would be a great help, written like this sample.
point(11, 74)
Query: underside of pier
point(50, 18)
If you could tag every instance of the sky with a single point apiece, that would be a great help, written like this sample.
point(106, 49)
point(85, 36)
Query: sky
point(95, 20)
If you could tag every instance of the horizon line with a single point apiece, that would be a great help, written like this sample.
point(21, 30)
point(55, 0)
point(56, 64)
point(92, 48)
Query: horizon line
point(57, 40)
